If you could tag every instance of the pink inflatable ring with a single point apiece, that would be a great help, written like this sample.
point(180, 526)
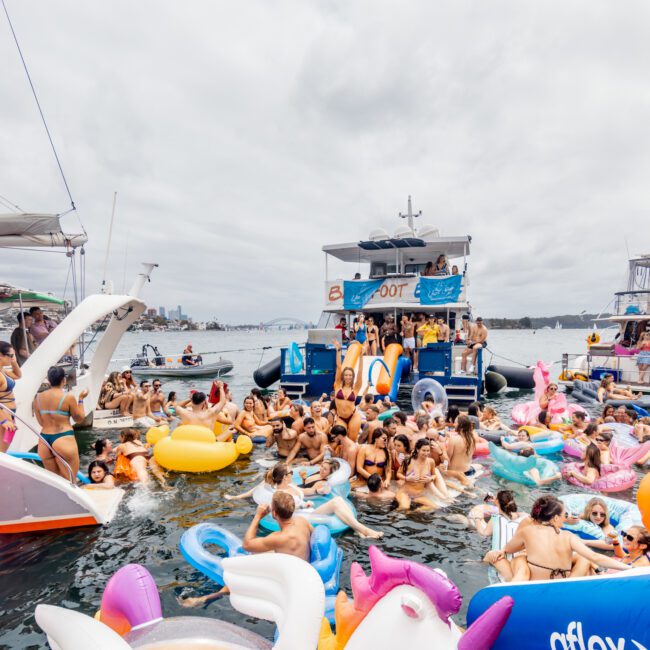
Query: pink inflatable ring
point(613, 478)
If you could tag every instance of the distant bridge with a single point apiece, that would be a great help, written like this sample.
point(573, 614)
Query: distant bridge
point(285, 321)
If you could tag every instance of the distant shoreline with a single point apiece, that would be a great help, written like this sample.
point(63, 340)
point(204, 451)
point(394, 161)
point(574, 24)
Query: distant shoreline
point(567, 322)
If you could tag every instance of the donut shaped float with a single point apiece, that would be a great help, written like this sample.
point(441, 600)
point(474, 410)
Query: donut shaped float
point(430, 387)
point(482, 448)
point(193, 448)
point(613, 478)
point(622, 515)
point(543, 441)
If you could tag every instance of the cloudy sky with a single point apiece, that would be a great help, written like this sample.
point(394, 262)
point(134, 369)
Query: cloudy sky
point(242, 136)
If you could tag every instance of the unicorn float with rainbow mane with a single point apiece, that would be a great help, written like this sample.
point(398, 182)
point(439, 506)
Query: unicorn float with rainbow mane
point(400, 604)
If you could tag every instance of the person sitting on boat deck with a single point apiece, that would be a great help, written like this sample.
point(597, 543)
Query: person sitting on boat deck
point(157, 400)
point(53, 409)
point(643, 356)
point(460, 449)
point(40, 328)
point(635, 551)
point(429, 331)
point(347, 386)
point(115, 395)
point(454, 270)
point(283, 437)
point(21, 339)
point(476, 340)
point(376, 490)
point(444, 331)
point(408, 339)
point(373, 458)
point(388, 332)
point(189, 358)
point(343, 326)
point(100, 476)
point(143, 416)
point(609, 390)
point(281, 402)
point(312, 441)
point(342, 446)
point(127, 378)
point(8, 380)
point(597, 512)
point(441, 267)
point(506, 506)
point(421, 481)
point(549, 551)
point(134, 457)
point(104, 450)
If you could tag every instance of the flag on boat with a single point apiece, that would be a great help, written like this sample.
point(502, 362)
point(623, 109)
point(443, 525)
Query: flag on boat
point(356, 293)
point(440, 290)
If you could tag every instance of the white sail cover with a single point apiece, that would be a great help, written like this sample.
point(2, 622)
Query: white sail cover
point(31, 230)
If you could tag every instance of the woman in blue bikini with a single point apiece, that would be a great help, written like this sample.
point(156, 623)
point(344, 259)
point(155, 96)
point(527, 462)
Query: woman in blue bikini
point(54, 408)
point(7, 383)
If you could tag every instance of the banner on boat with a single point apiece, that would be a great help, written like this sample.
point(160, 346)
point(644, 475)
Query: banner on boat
point(440, 290)
point(357, 294)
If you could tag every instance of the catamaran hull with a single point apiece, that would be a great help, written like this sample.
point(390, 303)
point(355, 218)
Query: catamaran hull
point(35, 499)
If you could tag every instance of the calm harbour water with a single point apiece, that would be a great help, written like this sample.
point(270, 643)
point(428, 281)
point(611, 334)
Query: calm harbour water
point(70, 568)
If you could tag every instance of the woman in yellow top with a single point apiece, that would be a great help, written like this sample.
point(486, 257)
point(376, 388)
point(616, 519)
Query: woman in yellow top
point(429, 331)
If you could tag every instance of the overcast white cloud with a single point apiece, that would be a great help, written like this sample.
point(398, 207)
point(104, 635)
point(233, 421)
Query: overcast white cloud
point(242, 136)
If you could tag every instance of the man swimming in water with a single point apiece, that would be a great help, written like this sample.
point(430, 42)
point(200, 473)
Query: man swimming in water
point(143, 417)
point(293, 538)
point(283, 437)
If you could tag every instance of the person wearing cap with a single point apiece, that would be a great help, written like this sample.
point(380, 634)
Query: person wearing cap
point(476, 340)
point(129, 383)
point(189, 359)
point(430, 331)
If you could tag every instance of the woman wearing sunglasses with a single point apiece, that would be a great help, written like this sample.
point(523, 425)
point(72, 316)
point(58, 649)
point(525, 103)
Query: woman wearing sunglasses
point(635, 550)
point(597, 513)
point(547, 397)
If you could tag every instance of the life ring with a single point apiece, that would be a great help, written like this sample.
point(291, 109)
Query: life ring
point(593, 338)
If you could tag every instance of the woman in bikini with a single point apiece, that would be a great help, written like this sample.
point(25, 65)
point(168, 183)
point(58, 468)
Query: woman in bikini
point(139, 456)
point(373, 458)
point(53, 409)
point(281, 403)
point(104, 451)
point(317, 484)
point(399, 451)
point(280, 478)
point(608, 412)
point(249, 424)
point(7, 383)
point(609, 390)
point(261, 408)
point(503, 505)
point(421, 480)
point(549, 551)
point(597, 513)
point(590, 469)
point(115, 395)
point(347, 386)
point(491, 422)
point(373, 336)
point(636, 547)
point(547, 398)
point(441, 267)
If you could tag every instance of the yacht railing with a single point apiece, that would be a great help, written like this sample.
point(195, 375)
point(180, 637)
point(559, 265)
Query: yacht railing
point(45, 442)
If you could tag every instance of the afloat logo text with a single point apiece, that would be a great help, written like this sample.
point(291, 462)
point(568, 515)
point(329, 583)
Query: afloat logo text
point(576, 639)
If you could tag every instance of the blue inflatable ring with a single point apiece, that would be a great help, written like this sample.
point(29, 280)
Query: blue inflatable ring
point(513, 467)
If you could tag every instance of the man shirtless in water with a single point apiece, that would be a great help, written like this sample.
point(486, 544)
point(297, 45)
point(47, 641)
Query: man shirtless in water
point(284, 438)
point(312, 441)
point(143, 417)
point(293, 538)
point(198, 412)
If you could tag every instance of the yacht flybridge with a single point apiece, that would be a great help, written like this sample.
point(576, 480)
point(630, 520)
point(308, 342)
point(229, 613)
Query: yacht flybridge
point(388, 276)
point(37, 499)
point(623, 330)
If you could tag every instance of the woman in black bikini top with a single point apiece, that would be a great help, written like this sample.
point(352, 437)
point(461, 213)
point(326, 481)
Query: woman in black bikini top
point(373, 458)
point(317, 483)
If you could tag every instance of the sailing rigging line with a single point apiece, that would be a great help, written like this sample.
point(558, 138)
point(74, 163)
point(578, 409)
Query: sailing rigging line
point(40, 110)
point(108, 244)
point(8, 204)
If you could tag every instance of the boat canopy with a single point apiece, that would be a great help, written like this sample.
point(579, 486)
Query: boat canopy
point(28, 230)
point(14, 297)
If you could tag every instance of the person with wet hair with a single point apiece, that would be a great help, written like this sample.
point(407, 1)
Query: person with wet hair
point(549, 550)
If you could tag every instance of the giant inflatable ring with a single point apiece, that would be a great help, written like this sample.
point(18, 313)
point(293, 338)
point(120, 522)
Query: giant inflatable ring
point(432, 388)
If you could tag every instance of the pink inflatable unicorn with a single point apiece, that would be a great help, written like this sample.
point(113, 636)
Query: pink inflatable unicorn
point(559, 409)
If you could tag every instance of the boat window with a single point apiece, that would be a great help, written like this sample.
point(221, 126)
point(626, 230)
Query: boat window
point(381, 269)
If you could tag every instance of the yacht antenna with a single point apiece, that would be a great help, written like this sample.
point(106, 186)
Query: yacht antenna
point(410, 216)
point(108, 243)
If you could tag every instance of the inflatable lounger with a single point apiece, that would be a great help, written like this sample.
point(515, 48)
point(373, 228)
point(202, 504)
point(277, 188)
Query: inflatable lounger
point(608, 612)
